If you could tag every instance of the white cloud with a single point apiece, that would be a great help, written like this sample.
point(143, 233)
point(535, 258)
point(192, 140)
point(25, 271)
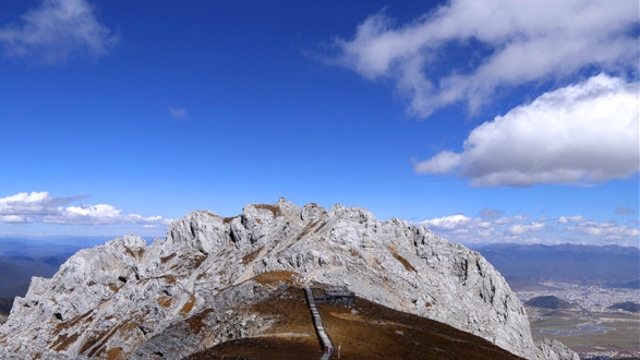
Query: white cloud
point(463, 229)
point(40, 207)
point(13, 219)
point(568, 219)
point(608, 231)
point(56, 29)
point(178, 113)
point(443, 162)
point(35, 203)
point(526, 228)
point(518, 229)
point(508, 43)
point(585, 132)
point(509, 220)
point(448, 222)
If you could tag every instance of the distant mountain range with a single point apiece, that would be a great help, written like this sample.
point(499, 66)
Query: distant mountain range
point(20, 259)
point(528, 265)
point(5, 306)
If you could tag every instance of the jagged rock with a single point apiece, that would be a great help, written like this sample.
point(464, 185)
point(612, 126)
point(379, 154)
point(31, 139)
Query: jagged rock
point(555, 350)
point(128, 300)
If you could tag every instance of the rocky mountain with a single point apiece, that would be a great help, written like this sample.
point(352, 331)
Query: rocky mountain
point(191, 291)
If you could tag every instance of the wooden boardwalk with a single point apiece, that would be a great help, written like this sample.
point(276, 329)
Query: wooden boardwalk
point(327, 345)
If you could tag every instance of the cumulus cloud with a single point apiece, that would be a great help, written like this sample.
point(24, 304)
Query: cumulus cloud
point(55, 30)
point(507, 43)
point(568, 219)
point(444, 162)
point(518, 229)
point(40, 207)
point(526, 228)
point(447, 222)
point(510, 220)
point(35, 203)
point(608, 231)
point(13, 219)
point(587, 132)
point(464, 229)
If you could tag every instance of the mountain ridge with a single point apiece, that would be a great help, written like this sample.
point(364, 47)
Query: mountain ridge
point(192, 279)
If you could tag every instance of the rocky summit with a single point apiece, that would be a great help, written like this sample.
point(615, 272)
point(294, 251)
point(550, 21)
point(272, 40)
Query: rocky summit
point(185, 294)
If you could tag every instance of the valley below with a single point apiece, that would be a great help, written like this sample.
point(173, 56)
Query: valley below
point(589, 333)
point(587, 324)
point(586, 282)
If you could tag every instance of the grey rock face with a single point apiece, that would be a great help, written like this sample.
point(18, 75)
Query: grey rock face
point(555, 350)
point(127, 300)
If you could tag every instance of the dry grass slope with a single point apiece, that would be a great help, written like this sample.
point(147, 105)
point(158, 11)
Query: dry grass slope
point(365, 330)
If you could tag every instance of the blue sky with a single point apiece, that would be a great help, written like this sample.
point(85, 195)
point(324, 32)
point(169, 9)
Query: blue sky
point(494, 121)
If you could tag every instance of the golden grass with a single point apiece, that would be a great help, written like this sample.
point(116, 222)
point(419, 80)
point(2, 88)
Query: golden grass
point(98, 342)
point(383, 333)
point(407, 265)
point(228, 219)
point(365, 331)
point(164, 301)
point(63, 342)
point(188, 306)
point(164, 259)
point(196, 323)
point(130, 252)
point(247, 259)
point(75, 320)
point(275, 210)
point(288, 309)
point(274, 277)
point(115, 354)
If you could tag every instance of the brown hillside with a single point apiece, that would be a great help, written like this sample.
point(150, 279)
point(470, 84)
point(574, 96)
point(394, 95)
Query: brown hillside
point(365, 330)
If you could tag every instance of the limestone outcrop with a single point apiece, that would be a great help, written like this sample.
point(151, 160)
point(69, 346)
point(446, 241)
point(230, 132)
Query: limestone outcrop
point(183, 294)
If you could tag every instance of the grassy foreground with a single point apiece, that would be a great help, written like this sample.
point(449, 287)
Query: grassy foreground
point(364, 330)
